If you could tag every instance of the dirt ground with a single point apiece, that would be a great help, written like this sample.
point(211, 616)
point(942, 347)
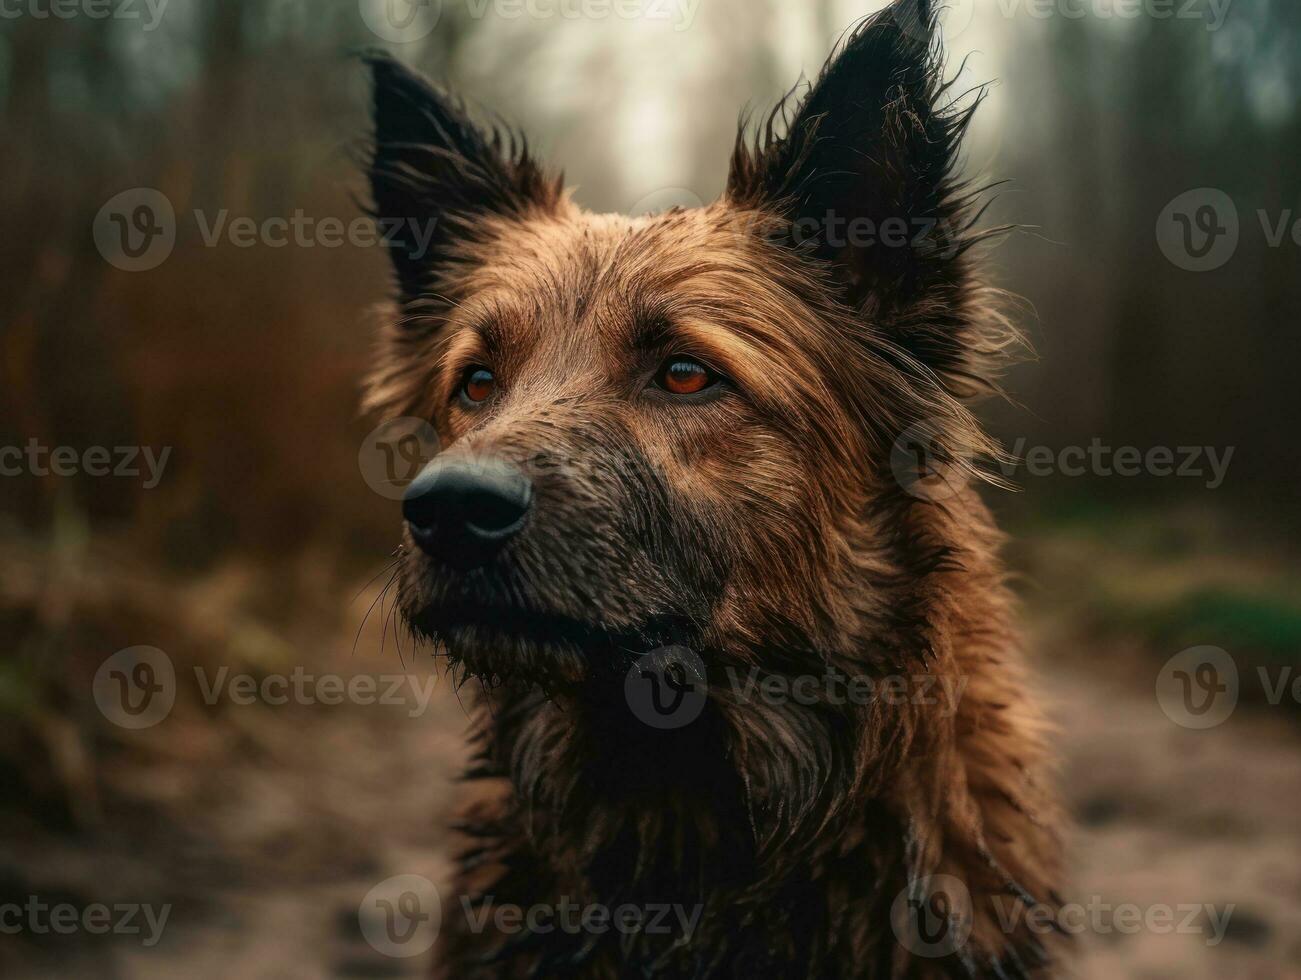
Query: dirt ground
point(266, 831)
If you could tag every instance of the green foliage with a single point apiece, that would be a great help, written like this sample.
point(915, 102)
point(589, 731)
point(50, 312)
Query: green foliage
point(1265, 626)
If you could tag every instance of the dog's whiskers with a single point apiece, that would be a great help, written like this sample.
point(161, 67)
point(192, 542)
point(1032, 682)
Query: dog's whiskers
point(393, 577)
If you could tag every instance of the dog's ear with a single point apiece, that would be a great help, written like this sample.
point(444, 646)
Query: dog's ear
point(433, 171)
point(863, 179)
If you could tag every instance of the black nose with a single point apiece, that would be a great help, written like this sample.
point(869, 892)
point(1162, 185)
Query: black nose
point(462, 511)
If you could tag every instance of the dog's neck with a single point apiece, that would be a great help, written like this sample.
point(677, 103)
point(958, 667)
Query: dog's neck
point(735, 797)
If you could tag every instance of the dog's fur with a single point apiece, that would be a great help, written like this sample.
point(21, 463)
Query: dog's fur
point(761, 526)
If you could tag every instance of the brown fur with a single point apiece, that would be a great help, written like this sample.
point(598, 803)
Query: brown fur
point(762, 528)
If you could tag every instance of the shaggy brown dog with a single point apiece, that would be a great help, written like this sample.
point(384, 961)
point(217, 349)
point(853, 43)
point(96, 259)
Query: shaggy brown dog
point(668, 459)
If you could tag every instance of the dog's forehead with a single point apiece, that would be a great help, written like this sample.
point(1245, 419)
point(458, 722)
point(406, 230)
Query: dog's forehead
point(599, 272)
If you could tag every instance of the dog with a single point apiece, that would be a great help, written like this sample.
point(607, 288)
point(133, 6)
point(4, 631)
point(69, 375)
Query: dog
point(668, 480)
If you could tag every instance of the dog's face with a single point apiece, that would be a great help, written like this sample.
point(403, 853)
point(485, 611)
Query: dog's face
point(667, 400)
point(674, 428)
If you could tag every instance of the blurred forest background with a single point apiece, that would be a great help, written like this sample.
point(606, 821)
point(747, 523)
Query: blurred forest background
point(246, 361)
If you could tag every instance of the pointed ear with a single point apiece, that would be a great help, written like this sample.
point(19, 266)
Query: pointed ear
point(864, 181)
point(432, 171)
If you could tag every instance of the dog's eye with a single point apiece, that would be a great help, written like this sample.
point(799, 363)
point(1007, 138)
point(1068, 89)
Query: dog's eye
point(478, 385)
point(684, 376)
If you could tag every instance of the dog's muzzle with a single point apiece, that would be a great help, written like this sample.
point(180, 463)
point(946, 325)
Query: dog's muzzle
point(463, 511)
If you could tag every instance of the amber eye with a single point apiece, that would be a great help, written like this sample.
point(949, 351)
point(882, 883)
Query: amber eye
point(684, 376)
point(478, 385)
